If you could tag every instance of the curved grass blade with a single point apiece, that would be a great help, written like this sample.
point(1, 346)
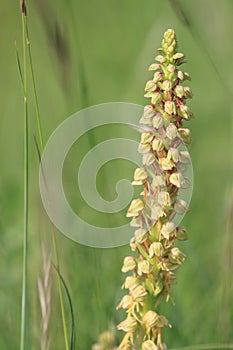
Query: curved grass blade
point(72, 339)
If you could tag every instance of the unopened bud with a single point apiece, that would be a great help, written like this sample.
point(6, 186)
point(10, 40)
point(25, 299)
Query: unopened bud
point(129, 325)
point(167, 229)
point(167, 85)
point(129, 264)
point(181, 233)
point(177, 179)
point(149, 345)
point(185, 135)
point(135, 208)
point(170, 107)
point(156, 249)
point(160, 59)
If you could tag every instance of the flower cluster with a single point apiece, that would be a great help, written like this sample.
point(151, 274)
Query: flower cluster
point(155, 256)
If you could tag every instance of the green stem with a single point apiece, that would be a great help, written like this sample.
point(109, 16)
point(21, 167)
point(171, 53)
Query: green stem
point(25, 238)
point(56, 258)
point(34, 86)
point(53, 233)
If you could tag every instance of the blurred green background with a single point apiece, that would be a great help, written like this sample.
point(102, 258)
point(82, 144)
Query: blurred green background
point(90, 52)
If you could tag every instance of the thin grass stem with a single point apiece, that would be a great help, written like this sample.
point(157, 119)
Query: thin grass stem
point(26, 46)
point(34, 86)
point(53, 233)
point(25, 237)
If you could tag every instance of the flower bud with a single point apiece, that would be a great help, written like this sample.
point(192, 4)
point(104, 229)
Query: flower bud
point(176, 179)
point(158, 121)
point(164, 199)
point(176, 256)
point(143, 148)
point(157, 145)
point(148, 111)
point(171, 131)
point(140, 176)
point(125, 302)
point(180, 207)
point(130, 283)
point(166, 163)
point(129, 264)
point(160, 59)
point(148, 159)
point(150, 86)
point(140, 235)
point(180, 75)
point(185, 135)
point(167, 229)
point(154, 66)
point(156, 249)
point(157, 77)
point(183, 75)
point(173, 154)
point(149, 345)
point(156, 98)
point(135, 208)
point(168, 266)
point(181, 233)
point(150, 318)
point(129, 325)
point(169, 39)
point(178, 56)
point(139, 293)
point(158, 181)
point(179, 91)
point(185, 157)
point(188, 92)
point(185, 112)
point(146, 137)
point(143, 267)
point(171, 68)
point(170, 107)
point(167, 85)
point(157, 212)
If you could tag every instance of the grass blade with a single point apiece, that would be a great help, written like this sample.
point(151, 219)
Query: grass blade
point(25, 236)
point(72, 340)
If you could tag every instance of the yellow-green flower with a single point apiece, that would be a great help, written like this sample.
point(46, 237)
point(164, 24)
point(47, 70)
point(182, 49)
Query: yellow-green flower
point(155, 255)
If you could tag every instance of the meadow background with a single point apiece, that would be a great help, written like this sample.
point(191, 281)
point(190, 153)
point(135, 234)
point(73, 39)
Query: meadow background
point(90, 52)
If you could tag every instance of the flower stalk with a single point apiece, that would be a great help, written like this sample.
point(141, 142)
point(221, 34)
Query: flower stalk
point(155, 256)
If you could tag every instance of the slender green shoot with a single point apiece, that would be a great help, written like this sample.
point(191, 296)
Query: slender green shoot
point(25, 237)
point(26, 45)
point(34, 87)
point(72, 340)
